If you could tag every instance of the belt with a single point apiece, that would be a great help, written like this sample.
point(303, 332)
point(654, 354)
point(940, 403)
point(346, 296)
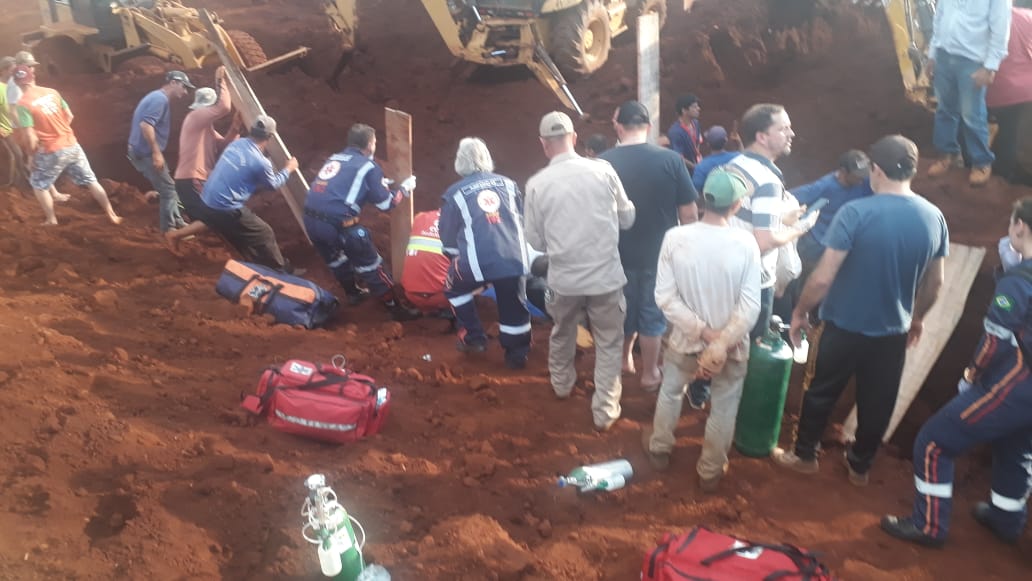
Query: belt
point(332, 220)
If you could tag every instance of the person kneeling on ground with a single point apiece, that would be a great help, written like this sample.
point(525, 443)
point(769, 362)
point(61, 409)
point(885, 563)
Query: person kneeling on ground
point(347, 181)
point(482, 230)
point(710, 322)
point(994, 406)
point(240, 172)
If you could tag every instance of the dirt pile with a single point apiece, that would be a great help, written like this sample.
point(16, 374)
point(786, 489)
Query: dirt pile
point(126, 456)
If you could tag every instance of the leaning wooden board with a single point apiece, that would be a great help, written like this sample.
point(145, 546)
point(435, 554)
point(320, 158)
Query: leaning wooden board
point(961, 267)
point(247, 104)
point(399, 166)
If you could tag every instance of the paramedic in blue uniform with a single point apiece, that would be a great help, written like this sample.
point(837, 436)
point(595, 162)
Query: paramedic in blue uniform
point(242, 170)
point(994, 406)
point(481, 228)
point(347, 181)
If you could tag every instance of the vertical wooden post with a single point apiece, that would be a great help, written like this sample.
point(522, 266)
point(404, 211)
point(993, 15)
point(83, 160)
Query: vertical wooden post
point(399, 167)
point(648, 69)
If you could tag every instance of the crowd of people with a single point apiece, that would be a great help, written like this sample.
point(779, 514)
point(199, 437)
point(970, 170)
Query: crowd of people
point(679, 254)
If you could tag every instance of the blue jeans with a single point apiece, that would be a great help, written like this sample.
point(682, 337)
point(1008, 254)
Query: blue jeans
point(961, 107)
point(168, 200)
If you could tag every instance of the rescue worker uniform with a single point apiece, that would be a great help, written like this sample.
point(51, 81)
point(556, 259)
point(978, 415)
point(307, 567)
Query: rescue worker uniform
point(346, 182)
point(995, 409)
point(481, 228)
point(426, 266)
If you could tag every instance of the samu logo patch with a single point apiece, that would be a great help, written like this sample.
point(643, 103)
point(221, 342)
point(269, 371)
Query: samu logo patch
point(1004, 303)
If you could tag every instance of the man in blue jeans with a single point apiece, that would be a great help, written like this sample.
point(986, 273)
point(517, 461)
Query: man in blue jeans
point(969, 41)
point(148, 137)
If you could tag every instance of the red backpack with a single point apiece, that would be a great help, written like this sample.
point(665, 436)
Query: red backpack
point(320, 401)
point(703, 555)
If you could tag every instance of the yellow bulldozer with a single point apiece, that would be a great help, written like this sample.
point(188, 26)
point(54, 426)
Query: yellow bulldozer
point(80, 35)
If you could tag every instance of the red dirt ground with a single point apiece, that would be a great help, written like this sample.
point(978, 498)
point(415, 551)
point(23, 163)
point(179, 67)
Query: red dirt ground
point(125, 455)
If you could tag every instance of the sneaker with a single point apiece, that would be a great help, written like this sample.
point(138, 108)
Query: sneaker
point(698, 393)
point(403, 313)
point(942, 166)
point(789, 460)
point(855, 478)
point(471, 347)
point(979, 176)
point(983, 513)
point(658, 460)
point(903, 528)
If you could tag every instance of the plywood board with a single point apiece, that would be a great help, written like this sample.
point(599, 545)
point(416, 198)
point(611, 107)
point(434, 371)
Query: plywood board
point(961, 267)
point(249, 108)
point(398, 167)
point(648, 69)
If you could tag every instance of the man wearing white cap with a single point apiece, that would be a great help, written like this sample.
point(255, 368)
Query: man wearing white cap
point(148, 136)
point(574, 211)
point(199, 148)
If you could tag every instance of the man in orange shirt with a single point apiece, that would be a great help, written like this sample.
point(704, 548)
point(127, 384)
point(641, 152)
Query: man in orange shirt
point(426, 266)
point(47, 122)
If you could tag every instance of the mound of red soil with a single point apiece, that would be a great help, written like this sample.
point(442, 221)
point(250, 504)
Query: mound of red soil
point(125, 454)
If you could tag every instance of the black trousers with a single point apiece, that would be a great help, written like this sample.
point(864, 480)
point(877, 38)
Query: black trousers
point(1005, 146)
point(250, 235)
point(877, 363)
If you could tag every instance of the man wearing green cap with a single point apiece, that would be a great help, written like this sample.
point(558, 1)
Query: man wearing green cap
point(708, 286)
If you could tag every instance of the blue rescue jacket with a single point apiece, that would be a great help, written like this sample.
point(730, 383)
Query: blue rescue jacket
point(482, 225)
point(346, 182)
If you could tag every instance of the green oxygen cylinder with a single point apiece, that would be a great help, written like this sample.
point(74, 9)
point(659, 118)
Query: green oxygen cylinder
point(763, 396)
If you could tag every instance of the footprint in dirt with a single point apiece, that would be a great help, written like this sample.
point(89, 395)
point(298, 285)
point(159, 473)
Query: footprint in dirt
point(112, 513)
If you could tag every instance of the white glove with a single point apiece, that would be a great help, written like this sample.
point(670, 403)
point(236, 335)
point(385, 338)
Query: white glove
point(407, 185)
point(1008, 256)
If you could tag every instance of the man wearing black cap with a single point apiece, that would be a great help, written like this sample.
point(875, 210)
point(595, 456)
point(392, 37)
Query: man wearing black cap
point(240, 172)
point(880, 273)
point(658, 184)
point(721, 152)
point(148, 136)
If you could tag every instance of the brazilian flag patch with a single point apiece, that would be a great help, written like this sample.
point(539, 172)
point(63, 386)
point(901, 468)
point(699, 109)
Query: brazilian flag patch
point(1004, 302)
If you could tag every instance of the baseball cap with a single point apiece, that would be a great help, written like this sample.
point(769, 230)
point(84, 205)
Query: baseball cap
point(181, 77)
point(855, 162)
point(204, 97)
point(263, 126)
point(723, 188)
point(6, 62)
point(632, 113)
point(23, 74)
point(716, 137)
point(555, 124)
point(24, 57)
point(894, 154)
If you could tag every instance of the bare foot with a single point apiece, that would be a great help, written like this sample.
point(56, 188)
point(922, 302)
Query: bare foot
point(171, 242)
point(652, 383)
point(115, 218)
point(59, 197)
point(50, 222)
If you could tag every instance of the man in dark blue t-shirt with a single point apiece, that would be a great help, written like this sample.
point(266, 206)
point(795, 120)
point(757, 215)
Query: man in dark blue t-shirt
point(716, 138)
point(847, 183)
point(658, 184)
point(148, 136)
point(880, 274)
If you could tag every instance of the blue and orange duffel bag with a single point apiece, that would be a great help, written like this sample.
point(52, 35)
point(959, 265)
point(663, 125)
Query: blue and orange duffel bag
point(290, 300)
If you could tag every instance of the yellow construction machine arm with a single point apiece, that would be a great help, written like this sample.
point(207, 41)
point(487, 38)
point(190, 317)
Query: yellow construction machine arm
point(344, 17)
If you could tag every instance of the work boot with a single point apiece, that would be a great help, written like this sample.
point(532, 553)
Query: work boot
point(979, 176)
point(942, 166)
point(658, 460)
point(400, 313)
point(789, 460)
point(855, 478)
point(357, 296)
point(903, 528)
point(513, 361)
point(710, 485)
point(983, 513)
point(471, 346)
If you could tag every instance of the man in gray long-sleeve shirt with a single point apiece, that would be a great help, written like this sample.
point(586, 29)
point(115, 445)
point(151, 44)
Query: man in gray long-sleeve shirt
point(969, 41)
point(574, 211)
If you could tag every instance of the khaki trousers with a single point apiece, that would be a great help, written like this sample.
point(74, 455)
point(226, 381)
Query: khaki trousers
point(725, 395)
point(605, 318)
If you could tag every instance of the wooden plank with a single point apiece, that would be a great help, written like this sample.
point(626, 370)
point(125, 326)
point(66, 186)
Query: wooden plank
point(248, 106)
point(648, 69)
point(399, 167)
point(961, 267)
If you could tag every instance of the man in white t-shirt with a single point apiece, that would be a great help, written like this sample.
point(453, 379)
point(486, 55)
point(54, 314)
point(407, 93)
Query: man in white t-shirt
point(708, 287)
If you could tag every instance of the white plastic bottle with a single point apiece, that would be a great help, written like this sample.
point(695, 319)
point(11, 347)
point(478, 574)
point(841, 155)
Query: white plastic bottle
point(802, 352)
